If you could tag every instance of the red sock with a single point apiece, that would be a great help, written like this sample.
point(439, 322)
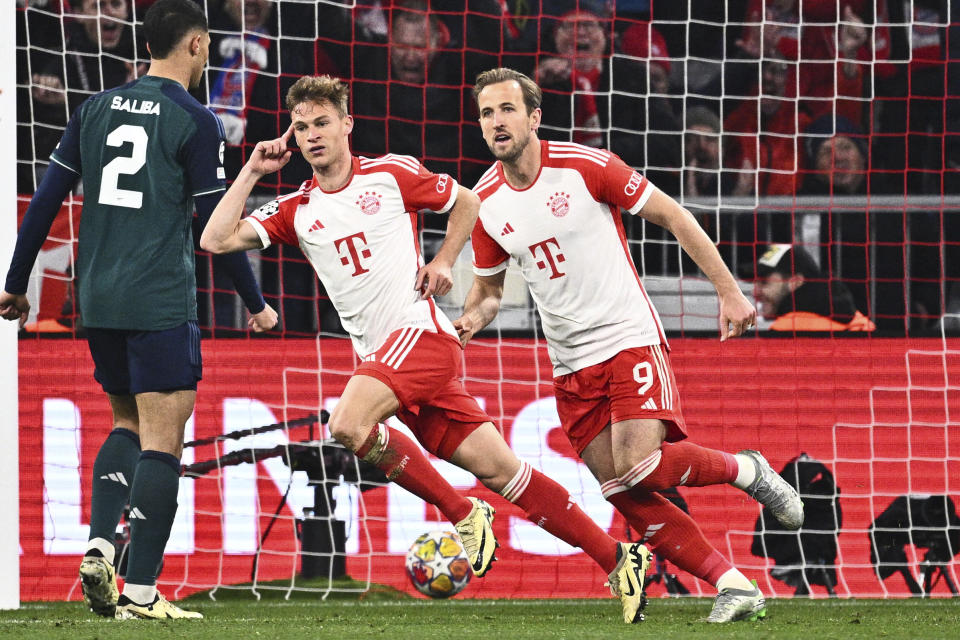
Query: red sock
point(669, 532)
point(682, 464)
point(548, 505)
point(404, 463)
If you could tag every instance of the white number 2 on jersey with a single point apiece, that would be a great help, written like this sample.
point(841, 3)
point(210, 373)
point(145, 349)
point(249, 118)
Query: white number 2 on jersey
point(643, 374)
point(110, 193)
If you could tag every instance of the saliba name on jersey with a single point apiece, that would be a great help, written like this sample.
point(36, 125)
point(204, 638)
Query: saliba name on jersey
point(147, 107)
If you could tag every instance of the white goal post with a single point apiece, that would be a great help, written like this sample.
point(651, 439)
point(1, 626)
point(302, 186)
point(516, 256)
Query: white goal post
point(9, 412)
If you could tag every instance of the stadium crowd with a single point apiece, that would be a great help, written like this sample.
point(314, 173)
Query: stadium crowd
point(718, 104)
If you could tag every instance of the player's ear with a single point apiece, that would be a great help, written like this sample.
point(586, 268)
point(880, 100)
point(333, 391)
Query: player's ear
point(348, 123)
point(535, 119)
point(195, 44)
point(795, 281)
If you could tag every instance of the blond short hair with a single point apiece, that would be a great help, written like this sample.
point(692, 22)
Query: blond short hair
point(319, 89)
point(532, 95)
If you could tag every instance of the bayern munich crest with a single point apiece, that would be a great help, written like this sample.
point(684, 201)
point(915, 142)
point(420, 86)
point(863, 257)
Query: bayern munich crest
point(559, 204)
point(369, 202)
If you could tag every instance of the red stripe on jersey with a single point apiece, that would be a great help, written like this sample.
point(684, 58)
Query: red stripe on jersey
point(618, 221)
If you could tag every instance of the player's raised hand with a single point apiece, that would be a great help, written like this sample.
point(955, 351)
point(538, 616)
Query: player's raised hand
point(737, 315)
point(14, 306)
point(263, 321)
point(435, 278)
point(270, 156)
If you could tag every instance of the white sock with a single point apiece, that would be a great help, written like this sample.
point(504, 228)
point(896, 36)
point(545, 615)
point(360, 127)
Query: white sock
point(746, 471)
point(103, 546)
point(733, 579)
point(140, 593)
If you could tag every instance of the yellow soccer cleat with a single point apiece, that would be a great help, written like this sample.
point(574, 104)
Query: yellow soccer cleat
point(98, 581)
point(628, 578)
point(159, 609)
point(476, 533)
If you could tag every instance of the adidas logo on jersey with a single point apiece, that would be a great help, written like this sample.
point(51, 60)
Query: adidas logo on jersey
point(316, 226)
point(136, 514)
point(506, 229)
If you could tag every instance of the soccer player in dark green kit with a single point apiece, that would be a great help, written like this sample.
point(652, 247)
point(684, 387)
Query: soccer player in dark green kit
point(148, 154)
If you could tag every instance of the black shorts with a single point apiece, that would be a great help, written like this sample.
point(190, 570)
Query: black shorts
point(129, 361)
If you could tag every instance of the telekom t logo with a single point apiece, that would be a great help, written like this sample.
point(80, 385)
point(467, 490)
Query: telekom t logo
point(551, 258)
point(355, 246)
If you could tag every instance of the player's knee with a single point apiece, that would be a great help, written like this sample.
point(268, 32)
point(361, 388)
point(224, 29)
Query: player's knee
point(345, 430)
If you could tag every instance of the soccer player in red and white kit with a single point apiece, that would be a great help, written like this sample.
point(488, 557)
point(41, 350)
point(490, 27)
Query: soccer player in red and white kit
point(555, 208)
point(355, 220)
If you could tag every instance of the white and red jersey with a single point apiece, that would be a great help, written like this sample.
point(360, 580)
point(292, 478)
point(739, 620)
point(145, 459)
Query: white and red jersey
point(566, 233)
point(362, 241)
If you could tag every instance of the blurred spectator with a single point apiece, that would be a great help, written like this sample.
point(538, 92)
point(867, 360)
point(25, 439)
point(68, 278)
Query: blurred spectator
point(765, 130)
point(837, 158)
point(98, 54)
point(243, 50)
point(643, 121)
point(703, 176)
point(837, 52)
point(643, 40)
point(580, 49)
point(405, 99)
point(791, 291)
point(909, 105)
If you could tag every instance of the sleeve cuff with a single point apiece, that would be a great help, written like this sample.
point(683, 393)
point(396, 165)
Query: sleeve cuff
point(264, 236)
point(642, 200)
point(454, 192)
point(490, 271)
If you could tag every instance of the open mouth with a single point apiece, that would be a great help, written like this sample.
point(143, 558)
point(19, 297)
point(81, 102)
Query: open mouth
point(501, 137)
point(317, 149)
point(110, 30)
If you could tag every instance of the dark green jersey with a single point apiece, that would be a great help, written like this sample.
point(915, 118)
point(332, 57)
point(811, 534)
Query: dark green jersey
point(144, 150)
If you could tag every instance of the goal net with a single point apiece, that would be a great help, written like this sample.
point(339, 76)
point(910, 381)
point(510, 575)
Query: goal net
point(818, 148)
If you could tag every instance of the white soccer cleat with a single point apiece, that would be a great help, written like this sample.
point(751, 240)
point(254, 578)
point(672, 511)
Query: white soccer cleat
point(159, 609)
point(732, 605)
point(628, 578)
point(98, 581)
point(476, 534)
point(775, 493)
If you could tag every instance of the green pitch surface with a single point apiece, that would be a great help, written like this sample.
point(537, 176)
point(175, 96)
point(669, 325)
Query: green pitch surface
point(391, 618)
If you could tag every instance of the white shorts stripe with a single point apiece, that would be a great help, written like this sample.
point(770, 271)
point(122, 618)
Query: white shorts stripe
point(665, 382)
point(400, 357)
point(661, 374)
point(395, 346)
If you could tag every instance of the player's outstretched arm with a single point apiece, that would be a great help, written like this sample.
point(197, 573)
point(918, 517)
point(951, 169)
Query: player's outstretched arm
point(436, 278)
point(225, 232)
point(44, 206)
point(736, 313)
point(481, 306)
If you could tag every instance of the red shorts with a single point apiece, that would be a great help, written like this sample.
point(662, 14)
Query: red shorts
point(634, 384)
point(423, 370)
